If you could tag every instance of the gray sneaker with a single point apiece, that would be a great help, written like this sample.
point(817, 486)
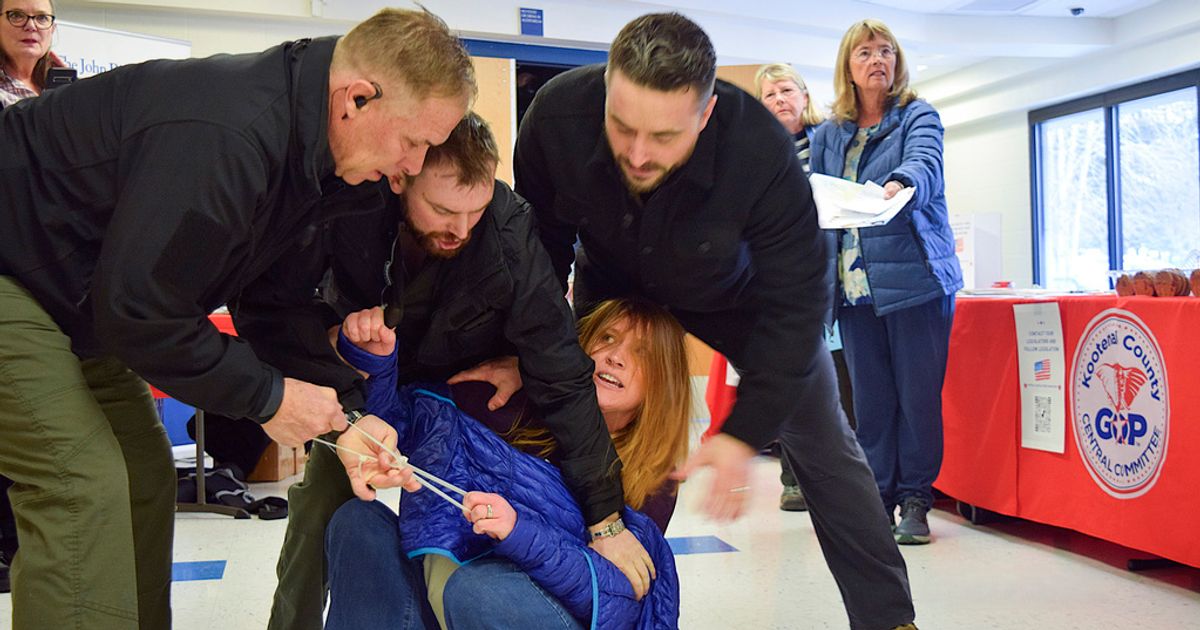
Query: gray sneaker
point(792, 500)
point(914, 524)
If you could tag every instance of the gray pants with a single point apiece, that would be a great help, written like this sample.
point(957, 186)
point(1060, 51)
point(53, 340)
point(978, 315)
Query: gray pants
point(851, 525)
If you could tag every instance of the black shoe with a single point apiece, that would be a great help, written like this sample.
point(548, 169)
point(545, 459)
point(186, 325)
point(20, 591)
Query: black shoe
point(914, 524)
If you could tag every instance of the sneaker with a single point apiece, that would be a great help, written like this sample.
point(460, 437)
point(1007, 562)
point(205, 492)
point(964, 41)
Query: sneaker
point(914, 524)
point(792, 500)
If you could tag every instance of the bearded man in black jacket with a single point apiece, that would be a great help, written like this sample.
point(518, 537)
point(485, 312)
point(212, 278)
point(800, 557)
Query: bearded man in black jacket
point(686, 191)
point(134, 203)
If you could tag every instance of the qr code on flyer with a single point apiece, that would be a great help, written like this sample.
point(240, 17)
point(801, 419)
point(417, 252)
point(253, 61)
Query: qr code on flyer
point(1041, 413)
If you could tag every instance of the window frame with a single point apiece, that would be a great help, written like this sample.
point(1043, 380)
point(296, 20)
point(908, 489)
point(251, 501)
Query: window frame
point(1107, 101)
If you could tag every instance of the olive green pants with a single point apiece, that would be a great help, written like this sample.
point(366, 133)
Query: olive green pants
point(93, 481)
point(301, 593)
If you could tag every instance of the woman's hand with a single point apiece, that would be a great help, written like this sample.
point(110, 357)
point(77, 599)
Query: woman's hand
point(891, 188)
point(490, 513)
point(366, 330)
point(366, 475)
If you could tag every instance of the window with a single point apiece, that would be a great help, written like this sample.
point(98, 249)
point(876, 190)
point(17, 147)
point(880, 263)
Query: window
point(1074, 200)
point(1160, 190)
point(1117, 183)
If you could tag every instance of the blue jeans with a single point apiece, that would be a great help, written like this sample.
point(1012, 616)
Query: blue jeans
point(897, 364)
point(493, 594)
point(374, 585)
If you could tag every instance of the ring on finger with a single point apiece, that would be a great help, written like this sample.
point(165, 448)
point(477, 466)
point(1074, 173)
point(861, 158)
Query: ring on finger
point(489, 511)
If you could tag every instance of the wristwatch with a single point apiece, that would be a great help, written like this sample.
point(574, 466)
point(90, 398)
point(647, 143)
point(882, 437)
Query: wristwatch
point(610, 530)
point(354, 415)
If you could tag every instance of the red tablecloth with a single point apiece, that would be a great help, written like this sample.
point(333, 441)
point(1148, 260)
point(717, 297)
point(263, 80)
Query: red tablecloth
point(986, 466)
point(224, 323)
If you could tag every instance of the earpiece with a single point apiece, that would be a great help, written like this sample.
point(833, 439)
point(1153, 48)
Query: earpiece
point(361, 101)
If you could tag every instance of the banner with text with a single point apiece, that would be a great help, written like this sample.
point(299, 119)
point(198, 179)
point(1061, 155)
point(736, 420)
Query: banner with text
point(91, 50)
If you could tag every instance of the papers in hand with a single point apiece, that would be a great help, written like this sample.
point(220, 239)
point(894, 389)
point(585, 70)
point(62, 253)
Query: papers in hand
point(845, 204)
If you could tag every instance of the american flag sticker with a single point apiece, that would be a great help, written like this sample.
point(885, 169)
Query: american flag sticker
point(1041, 370)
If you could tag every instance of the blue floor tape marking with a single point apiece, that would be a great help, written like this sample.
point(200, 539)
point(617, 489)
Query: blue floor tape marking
point(699, 544)
point(192, 571)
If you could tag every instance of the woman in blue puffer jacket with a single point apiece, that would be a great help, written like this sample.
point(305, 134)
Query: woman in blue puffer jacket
point(520, 557)
point(896, 282)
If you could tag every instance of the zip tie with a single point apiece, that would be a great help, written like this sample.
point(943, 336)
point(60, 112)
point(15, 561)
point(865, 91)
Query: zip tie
point(402, 461)
point(421, 477)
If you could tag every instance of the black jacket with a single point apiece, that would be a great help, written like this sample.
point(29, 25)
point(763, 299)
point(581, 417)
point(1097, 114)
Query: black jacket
point(135, 202)
point(729, 242)
point(496, 297)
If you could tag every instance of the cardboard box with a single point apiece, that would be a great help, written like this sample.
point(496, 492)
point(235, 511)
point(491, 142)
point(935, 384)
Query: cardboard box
point(278, 462)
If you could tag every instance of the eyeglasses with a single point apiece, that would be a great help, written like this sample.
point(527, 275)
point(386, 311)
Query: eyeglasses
point(863, 55)
point(19, 19)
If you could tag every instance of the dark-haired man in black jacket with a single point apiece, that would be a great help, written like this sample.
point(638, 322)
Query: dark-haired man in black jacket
point(686, 191)
point(134, 203)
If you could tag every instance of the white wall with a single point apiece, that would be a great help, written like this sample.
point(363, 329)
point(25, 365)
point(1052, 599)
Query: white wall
point(985, 111)
point(987, 166)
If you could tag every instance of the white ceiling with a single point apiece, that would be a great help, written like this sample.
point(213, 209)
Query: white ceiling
point(1043, 8)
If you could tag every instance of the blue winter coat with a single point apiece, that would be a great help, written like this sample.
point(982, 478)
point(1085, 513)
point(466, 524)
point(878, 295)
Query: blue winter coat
point(910, 260)
point(548, 541)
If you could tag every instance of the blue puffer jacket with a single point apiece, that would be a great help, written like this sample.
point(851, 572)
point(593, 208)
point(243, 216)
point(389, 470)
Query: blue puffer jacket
point(548, 541)
point(910, 260)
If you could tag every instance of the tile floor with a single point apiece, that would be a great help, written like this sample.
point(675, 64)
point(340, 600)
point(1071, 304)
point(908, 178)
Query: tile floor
point(1007, 575)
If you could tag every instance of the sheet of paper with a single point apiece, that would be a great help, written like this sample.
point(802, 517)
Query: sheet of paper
point(845, 204)
point(1042, 369)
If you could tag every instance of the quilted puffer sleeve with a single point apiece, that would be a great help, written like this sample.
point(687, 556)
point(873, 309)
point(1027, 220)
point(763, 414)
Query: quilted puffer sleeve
point(383, 399)
point(589, 586)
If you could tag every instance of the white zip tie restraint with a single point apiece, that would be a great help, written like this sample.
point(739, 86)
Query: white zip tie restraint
point(399, 461)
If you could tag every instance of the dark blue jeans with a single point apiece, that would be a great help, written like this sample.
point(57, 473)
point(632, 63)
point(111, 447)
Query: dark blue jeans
point(897, 364)
point(493, 594)
point(374, 585)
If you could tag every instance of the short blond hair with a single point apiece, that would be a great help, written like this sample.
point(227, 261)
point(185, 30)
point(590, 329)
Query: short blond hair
point(409, 46)
point(845, 102)
point(810, 117)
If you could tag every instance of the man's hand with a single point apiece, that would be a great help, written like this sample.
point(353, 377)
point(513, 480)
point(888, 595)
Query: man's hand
point(365, 473)
point(306, 411)
point(626, 552)
point(490, 513)
point(501, 372)
point(729, 458)
point(366, 330)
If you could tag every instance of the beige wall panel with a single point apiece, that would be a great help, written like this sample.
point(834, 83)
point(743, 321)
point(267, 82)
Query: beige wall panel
point(741, 76)
point(699, 356)
point(497, 105)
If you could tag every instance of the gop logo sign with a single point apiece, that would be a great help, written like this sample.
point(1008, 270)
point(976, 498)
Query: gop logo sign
point(1120, 407)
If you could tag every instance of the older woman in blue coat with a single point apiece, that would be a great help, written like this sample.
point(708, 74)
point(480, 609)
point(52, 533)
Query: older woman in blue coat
point(896, 282)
